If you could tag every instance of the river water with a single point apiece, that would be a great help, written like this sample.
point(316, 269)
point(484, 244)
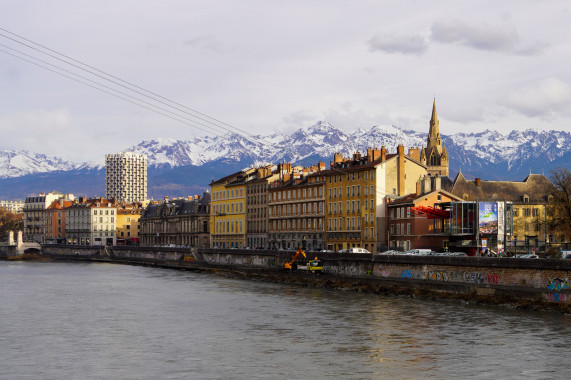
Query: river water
point(108, 321)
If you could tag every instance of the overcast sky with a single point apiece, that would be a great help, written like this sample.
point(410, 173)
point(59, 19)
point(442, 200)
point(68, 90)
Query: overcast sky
point(275, 66)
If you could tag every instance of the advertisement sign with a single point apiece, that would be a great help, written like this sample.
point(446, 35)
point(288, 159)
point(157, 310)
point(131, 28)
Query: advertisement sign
point(501, 220)
point(488, 218)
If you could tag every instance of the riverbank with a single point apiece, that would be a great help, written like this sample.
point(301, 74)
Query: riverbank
point(513, 283)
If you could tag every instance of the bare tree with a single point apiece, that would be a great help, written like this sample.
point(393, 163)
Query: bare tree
point(10, 222)
point(560, 207)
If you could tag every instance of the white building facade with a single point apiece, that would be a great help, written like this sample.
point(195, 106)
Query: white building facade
point(34, 210)
point(15, 207)
point(126, 177)
point(91, 222)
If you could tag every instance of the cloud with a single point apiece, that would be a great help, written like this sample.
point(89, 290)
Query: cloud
point(207, 42)
point(483, 36)
point(300, 118)
point(403, 44)
point(500, 38)
point(544, 98)
point(39, 131)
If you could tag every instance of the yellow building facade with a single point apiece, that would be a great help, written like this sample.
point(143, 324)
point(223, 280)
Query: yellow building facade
point(356, 191)
point(128, 224)
point(228, 211)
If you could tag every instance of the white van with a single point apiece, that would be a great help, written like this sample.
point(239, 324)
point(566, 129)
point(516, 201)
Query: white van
point(354, 250)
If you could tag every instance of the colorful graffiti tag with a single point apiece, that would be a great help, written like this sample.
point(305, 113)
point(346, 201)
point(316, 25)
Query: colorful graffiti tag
point(557, 284)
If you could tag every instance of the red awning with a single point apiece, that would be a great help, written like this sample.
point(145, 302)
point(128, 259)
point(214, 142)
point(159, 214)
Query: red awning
point(431, 212)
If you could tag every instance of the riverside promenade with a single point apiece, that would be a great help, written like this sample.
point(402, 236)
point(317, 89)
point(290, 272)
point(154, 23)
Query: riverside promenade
point(528, 283)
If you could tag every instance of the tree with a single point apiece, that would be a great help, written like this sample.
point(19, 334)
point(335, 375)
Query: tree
point(560, 206)
point(10, 222)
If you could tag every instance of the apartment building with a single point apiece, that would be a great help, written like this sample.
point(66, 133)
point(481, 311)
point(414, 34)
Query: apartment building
point(417, 221)
point(356, 190)
point(257, 205)
point(179, 221)
point(15, 207)
point(91, 222)
point(55, 222)
point(128, 226)
point(296, 209)
point(126, 177)
point(228, 210)
point(34, 217)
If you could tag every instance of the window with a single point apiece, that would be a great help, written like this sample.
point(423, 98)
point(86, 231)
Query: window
point(535, 212)
point(526, 212)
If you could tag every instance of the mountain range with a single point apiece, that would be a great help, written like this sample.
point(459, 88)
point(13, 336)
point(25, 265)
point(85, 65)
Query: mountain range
point(180, 168)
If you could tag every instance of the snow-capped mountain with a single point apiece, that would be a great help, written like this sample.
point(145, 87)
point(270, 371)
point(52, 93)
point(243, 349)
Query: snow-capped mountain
point(319, 140)
point(178, 164)
point(19, 163)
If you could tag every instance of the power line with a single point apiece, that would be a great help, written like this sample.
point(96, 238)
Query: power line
point(137, 89)
point(102, 90)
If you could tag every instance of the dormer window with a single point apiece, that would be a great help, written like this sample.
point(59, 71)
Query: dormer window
point(465, 197)
point(526, 198)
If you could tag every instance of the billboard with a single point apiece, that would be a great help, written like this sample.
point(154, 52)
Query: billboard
point(501, 220)
point(488, 218)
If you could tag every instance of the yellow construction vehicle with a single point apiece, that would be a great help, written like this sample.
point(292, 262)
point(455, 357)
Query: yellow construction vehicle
point(315, 265)
point(292, 264)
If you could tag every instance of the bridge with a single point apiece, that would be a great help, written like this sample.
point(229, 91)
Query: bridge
point(15, 247)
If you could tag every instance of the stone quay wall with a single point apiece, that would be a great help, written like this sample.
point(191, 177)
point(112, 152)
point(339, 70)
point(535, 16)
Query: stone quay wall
point(504, 280)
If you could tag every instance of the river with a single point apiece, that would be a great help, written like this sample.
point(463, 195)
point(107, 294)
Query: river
point(108, 321)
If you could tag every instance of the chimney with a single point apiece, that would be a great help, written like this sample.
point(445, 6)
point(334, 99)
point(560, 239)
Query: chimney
point(414, 153)
point(357, 156)
point(427, 185)
point(437, 183)
point(418, 192)
point(337, 158)
point(478, 182)
point(400, 171)
point(321, 166)
point(384, 154)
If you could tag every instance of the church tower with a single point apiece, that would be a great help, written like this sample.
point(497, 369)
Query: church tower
point(434, 156)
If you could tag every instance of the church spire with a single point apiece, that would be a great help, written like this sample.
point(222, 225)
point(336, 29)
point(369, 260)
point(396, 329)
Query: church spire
point(434, 131)
point(435, 155)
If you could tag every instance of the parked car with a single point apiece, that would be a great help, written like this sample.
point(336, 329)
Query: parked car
point(390, 252)
point(419, 252)
point(354, 250)
point(526, 256)
point(460, 254)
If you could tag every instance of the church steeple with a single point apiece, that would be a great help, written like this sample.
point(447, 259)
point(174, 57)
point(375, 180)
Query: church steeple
point(434, 131)
point(435, 155)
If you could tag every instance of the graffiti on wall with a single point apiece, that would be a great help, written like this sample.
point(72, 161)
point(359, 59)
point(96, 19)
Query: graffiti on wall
point(557, 284)
point(556, 297)
point(475, 278)
point(437, 275)
point(406, 273)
